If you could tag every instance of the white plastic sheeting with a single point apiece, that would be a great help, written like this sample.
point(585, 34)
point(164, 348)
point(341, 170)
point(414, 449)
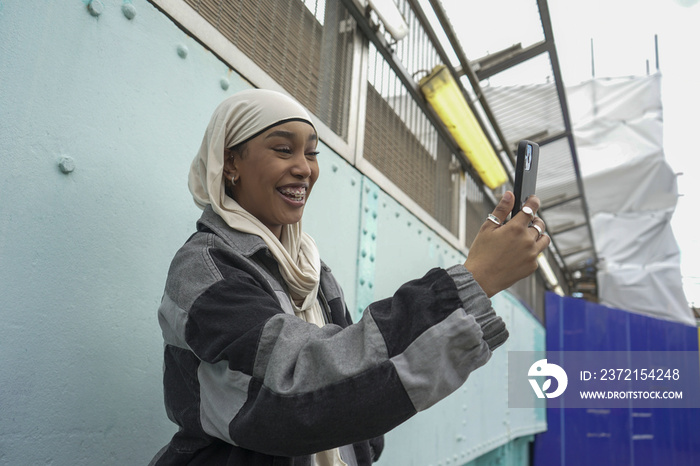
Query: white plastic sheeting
point(631, 193)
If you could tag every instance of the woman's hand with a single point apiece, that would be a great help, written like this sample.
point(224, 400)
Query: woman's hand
point(503, 254)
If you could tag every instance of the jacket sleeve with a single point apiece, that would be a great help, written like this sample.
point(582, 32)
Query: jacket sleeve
point(272, 383)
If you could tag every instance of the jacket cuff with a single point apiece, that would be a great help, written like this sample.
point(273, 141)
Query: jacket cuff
point(478, 305)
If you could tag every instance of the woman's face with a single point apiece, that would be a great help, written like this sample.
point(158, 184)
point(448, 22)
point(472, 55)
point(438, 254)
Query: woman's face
point(275, 173)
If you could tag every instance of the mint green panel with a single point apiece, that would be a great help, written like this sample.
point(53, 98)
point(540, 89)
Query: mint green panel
point(403, 247)
point(515, 453)
point(85, 243)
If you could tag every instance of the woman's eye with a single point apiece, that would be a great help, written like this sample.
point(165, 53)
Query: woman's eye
point(283, 149)
point(313, 153)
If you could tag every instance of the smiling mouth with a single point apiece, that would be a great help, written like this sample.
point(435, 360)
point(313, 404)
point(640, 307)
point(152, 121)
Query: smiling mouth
point(296, 193)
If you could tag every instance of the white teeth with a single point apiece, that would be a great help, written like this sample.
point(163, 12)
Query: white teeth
point(295, 193)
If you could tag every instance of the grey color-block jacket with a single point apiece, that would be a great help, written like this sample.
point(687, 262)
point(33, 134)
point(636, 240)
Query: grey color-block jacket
point(249, 383)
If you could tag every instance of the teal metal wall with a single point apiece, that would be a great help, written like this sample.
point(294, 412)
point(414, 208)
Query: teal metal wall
point(100, 116)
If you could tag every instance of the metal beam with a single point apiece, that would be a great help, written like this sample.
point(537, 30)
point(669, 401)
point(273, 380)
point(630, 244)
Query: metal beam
point(549, 38)
point(561, 203)
point(576, 251)
point(554, 137)
point(496, 57)
point(513, 60)
point(567, 228)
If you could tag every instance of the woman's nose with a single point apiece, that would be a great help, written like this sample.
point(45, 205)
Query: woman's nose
point(301, 167)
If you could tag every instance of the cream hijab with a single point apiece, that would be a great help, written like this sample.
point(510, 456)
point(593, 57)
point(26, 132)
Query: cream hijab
point(238, 119)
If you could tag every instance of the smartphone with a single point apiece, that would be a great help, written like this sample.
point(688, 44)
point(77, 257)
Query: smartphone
point(525, 173)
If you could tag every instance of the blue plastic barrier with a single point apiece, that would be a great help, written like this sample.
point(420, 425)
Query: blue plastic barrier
point(621, 436)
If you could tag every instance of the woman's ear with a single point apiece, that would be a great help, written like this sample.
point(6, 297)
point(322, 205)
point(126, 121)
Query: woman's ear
point(229, 164)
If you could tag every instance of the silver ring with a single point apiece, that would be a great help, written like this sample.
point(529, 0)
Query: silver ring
point(494, 219)
point(539, 230)
point(528, 210)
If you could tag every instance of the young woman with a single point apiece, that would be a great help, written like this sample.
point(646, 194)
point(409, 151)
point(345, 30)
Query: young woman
point(263, 365)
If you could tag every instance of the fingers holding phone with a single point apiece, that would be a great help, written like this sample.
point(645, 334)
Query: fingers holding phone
point(501, 253)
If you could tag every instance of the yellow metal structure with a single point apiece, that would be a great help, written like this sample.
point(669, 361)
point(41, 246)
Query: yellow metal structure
point(443, 94)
